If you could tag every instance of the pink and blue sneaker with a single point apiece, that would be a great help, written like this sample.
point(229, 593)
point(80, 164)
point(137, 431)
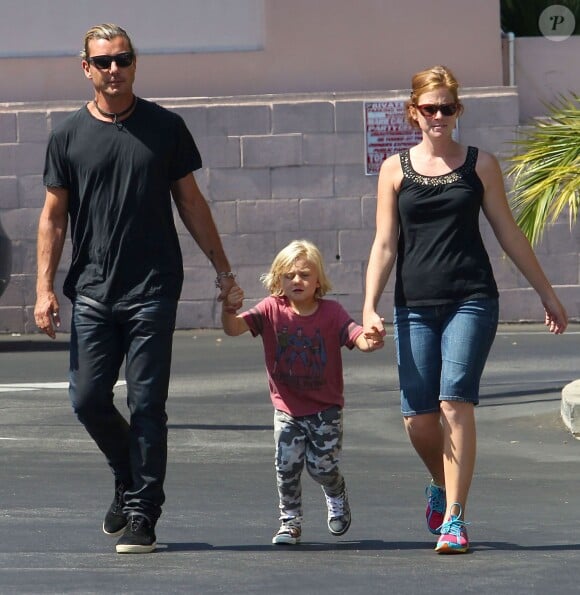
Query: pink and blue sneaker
point(453, 538)
point(436, 505)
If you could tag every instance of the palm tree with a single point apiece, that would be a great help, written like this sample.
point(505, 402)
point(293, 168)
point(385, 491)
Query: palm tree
point(545, 172)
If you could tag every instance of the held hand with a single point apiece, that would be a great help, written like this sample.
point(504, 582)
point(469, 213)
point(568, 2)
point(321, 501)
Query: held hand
point(374, 324)
point(46, 313)
point(225, 284)
point(374, 340)
point(233, 299)
point(374, 331)
point(556, 317)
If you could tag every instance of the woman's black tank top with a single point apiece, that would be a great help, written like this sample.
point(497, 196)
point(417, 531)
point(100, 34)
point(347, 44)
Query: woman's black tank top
point(441, 258)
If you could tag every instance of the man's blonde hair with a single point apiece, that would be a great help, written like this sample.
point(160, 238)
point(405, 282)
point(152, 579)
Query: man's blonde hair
point(285, 259)
point(106, 31)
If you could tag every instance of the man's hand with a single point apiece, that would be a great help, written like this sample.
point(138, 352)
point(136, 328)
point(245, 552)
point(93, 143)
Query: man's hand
point(46, 313)
point(233, 299)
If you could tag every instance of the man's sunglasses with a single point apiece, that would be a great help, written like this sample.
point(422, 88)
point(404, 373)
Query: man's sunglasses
point(428, 110)
point(122, 60)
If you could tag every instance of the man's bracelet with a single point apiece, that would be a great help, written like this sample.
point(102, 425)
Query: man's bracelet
point(225, 275)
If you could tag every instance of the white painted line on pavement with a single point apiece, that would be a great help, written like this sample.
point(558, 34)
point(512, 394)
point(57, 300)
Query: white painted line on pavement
point(27, 386)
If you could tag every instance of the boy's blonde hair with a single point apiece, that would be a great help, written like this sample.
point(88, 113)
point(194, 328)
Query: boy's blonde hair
point(286, 258)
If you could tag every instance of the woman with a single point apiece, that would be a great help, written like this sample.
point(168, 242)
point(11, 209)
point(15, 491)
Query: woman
point(446, 298)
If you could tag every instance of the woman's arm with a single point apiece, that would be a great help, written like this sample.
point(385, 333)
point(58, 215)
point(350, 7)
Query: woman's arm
point(514, 242)
point(384, 248)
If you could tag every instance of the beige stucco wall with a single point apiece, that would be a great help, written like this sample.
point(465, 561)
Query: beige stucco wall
point(276, 167)
point(281, 132)
point(545, 69)
point(309, 46)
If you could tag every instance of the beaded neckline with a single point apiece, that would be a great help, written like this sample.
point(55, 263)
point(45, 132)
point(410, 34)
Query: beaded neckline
point(453, 176)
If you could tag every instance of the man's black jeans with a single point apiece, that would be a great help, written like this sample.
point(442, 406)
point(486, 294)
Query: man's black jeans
point(102, 336)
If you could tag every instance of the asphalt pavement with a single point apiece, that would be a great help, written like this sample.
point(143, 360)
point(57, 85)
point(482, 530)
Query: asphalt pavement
point(221, 510)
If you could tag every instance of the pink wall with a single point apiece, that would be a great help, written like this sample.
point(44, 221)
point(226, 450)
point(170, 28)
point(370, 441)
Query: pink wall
point(543, 70)
point(326, 45)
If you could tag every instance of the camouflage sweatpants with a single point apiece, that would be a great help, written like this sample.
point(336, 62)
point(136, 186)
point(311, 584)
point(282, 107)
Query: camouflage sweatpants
point(314, 440)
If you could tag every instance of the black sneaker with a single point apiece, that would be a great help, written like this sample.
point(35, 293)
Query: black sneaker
point(139, 536)
point(338, 513)
point(115, 520)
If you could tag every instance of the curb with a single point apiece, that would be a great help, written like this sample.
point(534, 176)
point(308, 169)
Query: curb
point(570, 407)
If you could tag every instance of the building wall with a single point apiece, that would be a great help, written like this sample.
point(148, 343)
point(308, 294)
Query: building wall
point(280, 125)
point(545, 70)
point(320, 46)
point(276, 167)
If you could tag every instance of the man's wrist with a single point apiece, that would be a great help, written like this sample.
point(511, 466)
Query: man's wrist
point(223, 275)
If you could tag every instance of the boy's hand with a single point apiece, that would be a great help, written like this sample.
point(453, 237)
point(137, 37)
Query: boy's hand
point(375, 334)
point(233, 299)
point(375, 339)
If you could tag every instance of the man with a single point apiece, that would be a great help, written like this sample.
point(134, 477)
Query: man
point(112, 167)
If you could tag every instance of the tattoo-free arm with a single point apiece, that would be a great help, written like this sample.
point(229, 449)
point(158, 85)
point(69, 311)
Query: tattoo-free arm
point(384, 249)
point(233, 323)
point(51, 237)
point(514, 242)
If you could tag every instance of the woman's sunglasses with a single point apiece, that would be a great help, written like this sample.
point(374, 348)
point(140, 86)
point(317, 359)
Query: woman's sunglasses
point(428, 110)
point(122, 60)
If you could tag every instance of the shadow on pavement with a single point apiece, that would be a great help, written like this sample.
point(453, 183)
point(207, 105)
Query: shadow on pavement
point(305, 546)
point(26, 346)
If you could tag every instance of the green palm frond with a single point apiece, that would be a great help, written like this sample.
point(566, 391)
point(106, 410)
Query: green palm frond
point(545, 173)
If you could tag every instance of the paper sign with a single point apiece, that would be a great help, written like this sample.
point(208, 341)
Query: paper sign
point(387, 132)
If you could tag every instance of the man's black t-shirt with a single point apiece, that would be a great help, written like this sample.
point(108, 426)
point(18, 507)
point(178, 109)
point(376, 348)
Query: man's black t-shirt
point(118, 177)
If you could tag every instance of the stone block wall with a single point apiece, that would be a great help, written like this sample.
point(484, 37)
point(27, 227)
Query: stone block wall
point(276, 168)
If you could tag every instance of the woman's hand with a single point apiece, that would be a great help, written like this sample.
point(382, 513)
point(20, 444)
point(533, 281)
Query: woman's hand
point(556, 316)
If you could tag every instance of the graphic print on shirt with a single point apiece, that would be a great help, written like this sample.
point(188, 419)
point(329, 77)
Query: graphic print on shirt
point(300, 359)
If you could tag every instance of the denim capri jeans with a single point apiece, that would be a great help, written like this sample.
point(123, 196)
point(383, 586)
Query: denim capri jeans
point(441, 352)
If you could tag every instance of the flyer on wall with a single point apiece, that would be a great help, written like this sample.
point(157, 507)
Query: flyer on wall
point(387, 132)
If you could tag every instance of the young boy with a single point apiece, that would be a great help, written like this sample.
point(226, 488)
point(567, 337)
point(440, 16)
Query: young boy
point(302, 335)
